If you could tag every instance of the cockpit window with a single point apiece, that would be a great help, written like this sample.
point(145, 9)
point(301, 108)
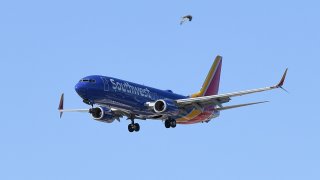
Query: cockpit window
point(88, 80)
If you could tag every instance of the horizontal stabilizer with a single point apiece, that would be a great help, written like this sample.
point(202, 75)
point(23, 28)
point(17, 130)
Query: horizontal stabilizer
point(238, 105)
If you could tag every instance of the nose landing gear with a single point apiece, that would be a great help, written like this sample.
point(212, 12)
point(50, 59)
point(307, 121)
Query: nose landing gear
point(133, 126)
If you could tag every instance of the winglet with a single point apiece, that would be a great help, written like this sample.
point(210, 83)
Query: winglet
point(280, 84)
point(60, 108)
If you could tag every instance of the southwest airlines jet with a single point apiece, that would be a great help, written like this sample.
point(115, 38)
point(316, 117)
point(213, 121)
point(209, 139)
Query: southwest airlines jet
point(111, 98)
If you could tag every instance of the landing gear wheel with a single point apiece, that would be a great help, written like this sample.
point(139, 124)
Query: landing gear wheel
point(173, 123)
point(136, 127)
point(130, 128)
point(167, 123)
point(170, 123)
point(133, 126)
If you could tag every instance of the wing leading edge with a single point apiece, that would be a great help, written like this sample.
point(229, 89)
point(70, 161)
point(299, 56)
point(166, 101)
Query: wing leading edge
point(217, 98)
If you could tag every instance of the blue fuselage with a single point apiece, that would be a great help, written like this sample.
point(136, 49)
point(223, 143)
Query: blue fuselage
point(121, 94)
point(134, 98)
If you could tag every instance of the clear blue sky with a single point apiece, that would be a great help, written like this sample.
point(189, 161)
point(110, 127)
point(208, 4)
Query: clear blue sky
point(47, 46)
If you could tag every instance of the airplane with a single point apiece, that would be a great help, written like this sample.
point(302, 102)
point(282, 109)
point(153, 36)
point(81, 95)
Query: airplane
point(111, 99)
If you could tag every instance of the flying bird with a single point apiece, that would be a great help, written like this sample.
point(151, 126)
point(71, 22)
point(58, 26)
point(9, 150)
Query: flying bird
point(185, 19)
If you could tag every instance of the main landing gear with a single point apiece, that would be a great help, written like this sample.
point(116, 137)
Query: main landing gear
point(133, 126)
point(170, 123)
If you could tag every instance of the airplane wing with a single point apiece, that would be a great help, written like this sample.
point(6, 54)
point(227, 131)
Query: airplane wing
point(222, 98)
point(117, 112)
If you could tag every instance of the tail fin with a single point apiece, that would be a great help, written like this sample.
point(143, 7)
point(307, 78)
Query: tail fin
point(211, 84)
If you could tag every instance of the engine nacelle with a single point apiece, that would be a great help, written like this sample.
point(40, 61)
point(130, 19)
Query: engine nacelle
point(102, 114)
point(165, 107)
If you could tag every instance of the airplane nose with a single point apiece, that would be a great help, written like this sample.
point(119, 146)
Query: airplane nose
point(81, 89)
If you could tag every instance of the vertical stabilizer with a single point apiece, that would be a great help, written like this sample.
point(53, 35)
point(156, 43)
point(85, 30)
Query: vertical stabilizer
point(211, 84)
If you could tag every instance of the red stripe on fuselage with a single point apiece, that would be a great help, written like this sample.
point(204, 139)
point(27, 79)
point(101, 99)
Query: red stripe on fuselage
point(201, 117)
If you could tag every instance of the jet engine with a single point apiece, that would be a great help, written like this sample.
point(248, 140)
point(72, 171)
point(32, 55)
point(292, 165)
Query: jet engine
point(102, 114)
point(165, 107)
